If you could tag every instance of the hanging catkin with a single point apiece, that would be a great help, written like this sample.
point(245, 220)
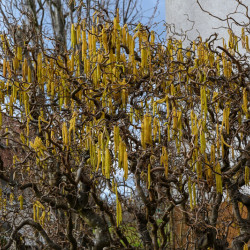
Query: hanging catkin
point(107, 163)
point(4, 67)
point(20, 198)
point(246, 175)
point(143, 135)
point(125, 163)
point(73, 36)
point(218, 178)
point(164, 160)
point(65, 134)
point(118, 208)
point(149, 176)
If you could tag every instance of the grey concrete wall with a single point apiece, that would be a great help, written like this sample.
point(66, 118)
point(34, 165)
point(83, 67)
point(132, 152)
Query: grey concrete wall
point(179, 11)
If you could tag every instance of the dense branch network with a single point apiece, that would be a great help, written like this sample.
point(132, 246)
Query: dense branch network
point(121, 141)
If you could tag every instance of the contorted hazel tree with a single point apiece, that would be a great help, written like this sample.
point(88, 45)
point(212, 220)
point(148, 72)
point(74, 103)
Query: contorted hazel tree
point(121, 141)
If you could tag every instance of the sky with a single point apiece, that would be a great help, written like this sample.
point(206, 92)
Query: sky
point(148, 9)
point(160, 14)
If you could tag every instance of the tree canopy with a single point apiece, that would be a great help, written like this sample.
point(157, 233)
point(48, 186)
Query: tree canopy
point(120, 140)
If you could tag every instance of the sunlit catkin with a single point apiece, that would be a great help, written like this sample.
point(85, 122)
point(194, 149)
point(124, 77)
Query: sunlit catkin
point(164, 160)
point(149, 176)
point(175, 119)
point(245, 102)
point(246, 175)
point(125, 163)
point(116, 139)
point(107, 163)
point(20, 198)
point(34, 213)
point(245, 246)
point(19, 53)
point(118, 208)
point(4, 67)
point(65, 134)
point(73, 36)
point(218, 178)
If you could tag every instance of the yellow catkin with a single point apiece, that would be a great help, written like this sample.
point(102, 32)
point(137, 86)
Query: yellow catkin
point(19, 53)
point(107, 163)
point(175, 119)
point(116, 139)
point(209, 174)
point(25, 69)
point(73, 36)
point(65, 134)
point(15, 63)
point(34, 212)
point(20, 198)
point(245, 102)
point(218, 178)
point(149, 176)
point(152, 37)
point(118, 208)
point(4, 67)
point(84, 45)
point(72, 62)
point(247, 43)
point(125, 163)
point(42, 218)
point(245, 246)
point(164, 160)
point(121, 154)
point(212, 154)
point(29, 75)
point(78, 34)
point(246, 175)
point(11, 198)
point(143, 135)
point(37, 212)
point(124, 98)
point(93, 41)
point(168, 108)
point(223, 141)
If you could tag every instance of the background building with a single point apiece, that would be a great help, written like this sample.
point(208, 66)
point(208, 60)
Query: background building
point(185, 17)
